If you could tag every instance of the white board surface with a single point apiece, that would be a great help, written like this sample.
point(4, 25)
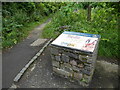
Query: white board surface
point(75, 40)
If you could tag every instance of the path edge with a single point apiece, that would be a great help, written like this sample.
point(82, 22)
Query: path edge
point(22, 71)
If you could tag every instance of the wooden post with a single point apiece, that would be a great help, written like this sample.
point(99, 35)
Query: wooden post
point(89, 13)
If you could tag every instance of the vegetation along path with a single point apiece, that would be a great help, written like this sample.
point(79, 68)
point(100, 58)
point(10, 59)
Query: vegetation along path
point(16, 58)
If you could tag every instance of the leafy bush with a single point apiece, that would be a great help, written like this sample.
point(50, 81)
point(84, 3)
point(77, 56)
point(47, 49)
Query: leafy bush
point(17, 16)
point(103, 22)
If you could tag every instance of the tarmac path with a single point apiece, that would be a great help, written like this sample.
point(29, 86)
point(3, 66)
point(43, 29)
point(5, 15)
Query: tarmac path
point(14, 59)
point(40, 75)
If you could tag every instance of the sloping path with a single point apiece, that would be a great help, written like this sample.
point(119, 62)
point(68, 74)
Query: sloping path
point(14, 59)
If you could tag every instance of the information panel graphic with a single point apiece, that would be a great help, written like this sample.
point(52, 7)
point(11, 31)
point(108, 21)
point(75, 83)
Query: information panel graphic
point(75, 40)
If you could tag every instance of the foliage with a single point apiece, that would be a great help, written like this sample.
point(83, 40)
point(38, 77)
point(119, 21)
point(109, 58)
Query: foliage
point(16, 16)
point(103, 22)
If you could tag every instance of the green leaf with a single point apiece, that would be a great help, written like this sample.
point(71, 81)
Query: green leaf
point(84, 31)
point(83, 80)
point(104, 39)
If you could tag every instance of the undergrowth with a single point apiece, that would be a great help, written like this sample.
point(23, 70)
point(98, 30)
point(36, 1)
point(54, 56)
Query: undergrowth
point(74, 18)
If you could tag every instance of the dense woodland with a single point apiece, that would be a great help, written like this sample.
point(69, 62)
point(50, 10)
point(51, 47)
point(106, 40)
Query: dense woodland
point(87, 17)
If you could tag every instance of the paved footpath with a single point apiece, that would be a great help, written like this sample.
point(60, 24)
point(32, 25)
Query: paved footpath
point(14, 59)
point(39, 75)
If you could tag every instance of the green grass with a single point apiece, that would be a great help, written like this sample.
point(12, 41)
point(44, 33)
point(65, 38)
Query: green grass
point(103, 22)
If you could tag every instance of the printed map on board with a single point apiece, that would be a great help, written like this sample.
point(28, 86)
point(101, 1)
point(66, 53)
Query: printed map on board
point(75, 40)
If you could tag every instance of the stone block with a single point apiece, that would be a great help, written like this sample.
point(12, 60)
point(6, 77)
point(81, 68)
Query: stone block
point(90, 61)
point(65, 58)
point(87, 78)
point(81, 65)
point(53, 57)
point(67, 67)
point(76, 69)
point(62, 72)
point(90, 67)
point(72, 54)
point(73, 62)
point(57, 58)
point(54, 51)
point(55, 63)
point(78, 76)
point(88, 72)
point(82, 58)
point(83, 54)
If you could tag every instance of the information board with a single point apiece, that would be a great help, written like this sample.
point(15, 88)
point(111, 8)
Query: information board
point(76, 40)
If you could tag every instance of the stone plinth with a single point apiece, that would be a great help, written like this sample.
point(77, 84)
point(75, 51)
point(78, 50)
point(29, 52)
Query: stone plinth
point(72, 63)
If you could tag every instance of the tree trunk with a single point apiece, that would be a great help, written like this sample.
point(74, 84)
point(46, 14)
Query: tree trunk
point(89, 13)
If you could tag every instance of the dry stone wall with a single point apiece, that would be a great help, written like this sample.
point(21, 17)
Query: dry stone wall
point(73, 64)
